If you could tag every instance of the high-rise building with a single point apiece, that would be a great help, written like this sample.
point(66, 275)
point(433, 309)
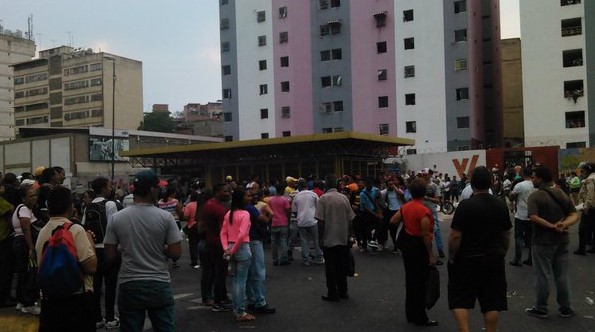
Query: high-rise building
point(558, 55)
point(403, 68)
point(68, 87)
point(13, 49)
point(512, 92)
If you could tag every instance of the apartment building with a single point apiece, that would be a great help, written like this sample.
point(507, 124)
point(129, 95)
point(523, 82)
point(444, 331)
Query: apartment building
point(558, 55)
point(406, 68)
point(512, 92)
point(67, 87)
point(13, 49)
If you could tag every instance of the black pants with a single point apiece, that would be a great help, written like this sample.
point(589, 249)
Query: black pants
point(72, 314)
point(6, 268)
point(215, 271)
point(336, 266)
point(108, 274)
point(586, 228)
point(416, 262)
point(27, 289)
point(386, 228)
point(193, 244)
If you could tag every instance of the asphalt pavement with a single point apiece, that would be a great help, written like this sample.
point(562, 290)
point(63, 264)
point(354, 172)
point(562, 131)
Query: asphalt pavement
point(376, 303)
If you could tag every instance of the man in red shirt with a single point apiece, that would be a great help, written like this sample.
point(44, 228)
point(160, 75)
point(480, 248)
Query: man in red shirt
point(215, 267)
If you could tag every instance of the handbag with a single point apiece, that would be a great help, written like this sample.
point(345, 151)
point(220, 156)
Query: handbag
point(432, 287)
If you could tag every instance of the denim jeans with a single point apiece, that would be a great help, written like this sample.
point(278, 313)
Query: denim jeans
point(107, 273)
point(279, 243)
point(255, 289)
point(305, 234)
point(437, 235)
point(137, 297)
point(551, 260)
point(27, 288)
point(240, 265)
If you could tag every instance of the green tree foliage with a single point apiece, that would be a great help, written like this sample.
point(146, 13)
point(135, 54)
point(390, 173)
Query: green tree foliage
point(158, 121)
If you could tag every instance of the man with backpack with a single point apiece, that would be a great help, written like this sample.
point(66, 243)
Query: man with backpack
point(95, 220)
point(67, 261)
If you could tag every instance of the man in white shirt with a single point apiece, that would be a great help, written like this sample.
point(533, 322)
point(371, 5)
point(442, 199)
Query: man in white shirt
point(304, 205)
point(522, 226)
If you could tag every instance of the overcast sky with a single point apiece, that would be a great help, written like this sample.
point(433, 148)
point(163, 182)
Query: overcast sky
point(177, 40)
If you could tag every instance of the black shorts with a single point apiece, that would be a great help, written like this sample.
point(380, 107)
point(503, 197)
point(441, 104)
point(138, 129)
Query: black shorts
point(481, 278)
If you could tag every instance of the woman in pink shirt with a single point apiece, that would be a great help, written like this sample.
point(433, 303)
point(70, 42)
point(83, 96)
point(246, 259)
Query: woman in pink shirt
point(235, 240)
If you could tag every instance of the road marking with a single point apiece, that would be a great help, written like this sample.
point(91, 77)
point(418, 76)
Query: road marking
point(183, 295)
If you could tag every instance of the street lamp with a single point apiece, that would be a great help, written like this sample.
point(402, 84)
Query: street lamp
point(113, 161)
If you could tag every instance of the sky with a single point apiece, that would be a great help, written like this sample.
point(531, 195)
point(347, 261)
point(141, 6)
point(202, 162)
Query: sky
point(177, 40)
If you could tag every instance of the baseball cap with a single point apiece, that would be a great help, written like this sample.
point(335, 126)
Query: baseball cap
point(229, 178)
point(146, 179)
point(290, 179)
point(39, 170)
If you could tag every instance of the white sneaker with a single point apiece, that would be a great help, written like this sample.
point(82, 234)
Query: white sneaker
point(19, 306)
point(113, 324)
point(101, 324)
point(33, 310)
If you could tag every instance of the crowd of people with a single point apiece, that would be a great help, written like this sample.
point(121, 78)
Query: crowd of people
point(130, 243)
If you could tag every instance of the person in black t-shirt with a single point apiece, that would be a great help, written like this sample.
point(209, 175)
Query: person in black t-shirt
point(479, 240)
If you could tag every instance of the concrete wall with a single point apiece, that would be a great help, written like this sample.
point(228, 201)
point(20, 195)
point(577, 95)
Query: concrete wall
point(451, 163)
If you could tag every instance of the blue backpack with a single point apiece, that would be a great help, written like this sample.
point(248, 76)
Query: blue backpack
point(59, 274)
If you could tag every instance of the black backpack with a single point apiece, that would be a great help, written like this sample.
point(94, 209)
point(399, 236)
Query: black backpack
point(96, 220)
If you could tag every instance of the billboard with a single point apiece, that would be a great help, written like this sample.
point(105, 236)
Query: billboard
point(100, 148)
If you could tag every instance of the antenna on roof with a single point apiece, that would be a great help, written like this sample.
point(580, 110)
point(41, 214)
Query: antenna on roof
point(70, 37)
point(29, 32)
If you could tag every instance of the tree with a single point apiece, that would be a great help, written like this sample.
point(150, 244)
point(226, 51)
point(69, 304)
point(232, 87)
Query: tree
point(157, 121)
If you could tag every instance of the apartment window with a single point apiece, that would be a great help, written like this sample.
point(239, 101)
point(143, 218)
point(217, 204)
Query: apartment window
point(574, 89)
point(335, 3)
point(572, 58)
point(19, 80)
point(335, 27)
point(409, 43)
point(460, 64)
point(285, 86)
point(463, 148)
point(19, 94)
point(282, 12)
point(283, 37)
point(228, 138)
point(408, 15)
point(327, 81)
point(262, 40)
point(573, 145)
point(327, 130)
point(75, 100)
point(227, 117)
point(225, 47)
point(20, 122)
point(463, 122)
point(460, 35)
point(264, 89)
point(286, 133)
point(410, 99)
point(383, 129)
point(96, 81)
point(95, 66)
point(260, 16)
point(224, 2)
point(224, 24)
point(97, 97)
point(76, 85)
point(381, 47)
point(284, 61)
point(383, 102)
point(572, 27)
point(382, 74)
point(226, 93)
point(262, 64)
point(569, 2)
point(67, 71)
point(575, 119)
point(326, 107)
point(285, 112)
point(410, 127)
point(462, 93)
point(226, 70)
point(460, 6)
point(409, 71)
point(411, 151)
point(325, 30)
point(380, 18)
point(264, 113)
point(338, 106)
point(323, 4)
point(96, 113)
point(264, 135)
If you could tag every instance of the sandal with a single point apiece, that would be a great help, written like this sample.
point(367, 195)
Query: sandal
point(245, 317)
